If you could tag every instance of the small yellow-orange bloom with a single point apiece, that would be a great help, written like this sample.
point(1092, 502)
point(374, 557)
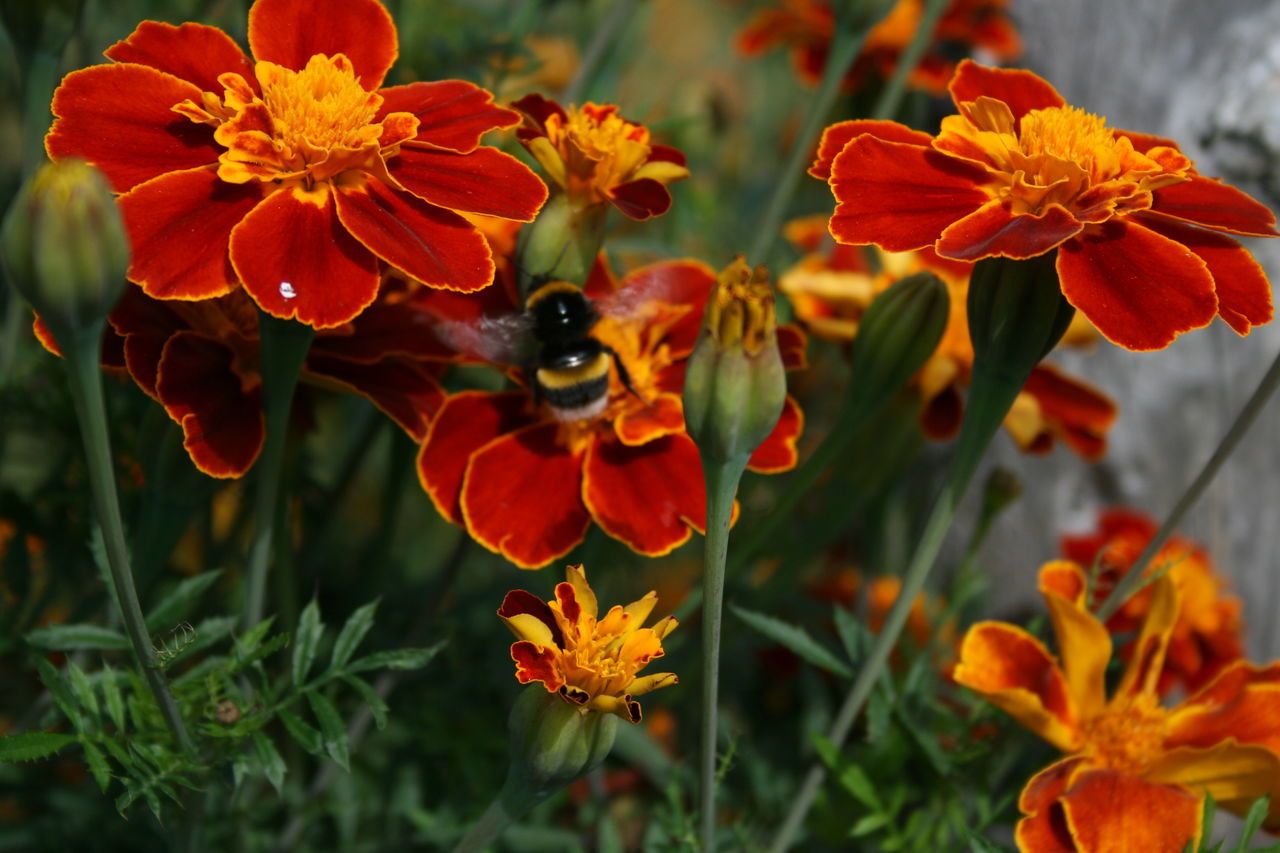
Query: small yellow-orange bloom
point(590, 662)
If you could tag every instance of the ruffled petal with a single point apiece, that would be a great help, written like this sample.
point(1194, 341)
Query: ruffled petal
point(297, 260)
point(835, 137)
point(180, 226)
point(778, 451)
point(1080, 414)
point(407, 392)
point(1139, 288)
point(1110, 812)
point(900, 197)
point(430, 244)
point(1230, 772)
point(993, 230)
point(1044, 829)
point(1014, 671)
point(222, 423)
point(1244, 294)
point(146, 325)
point(1242, 703)
point(537, 663)
point(452, 114)
point(387, 328)
point(663, 416)
point(1022, 90)
point(1147, 657)
point(648, 496)
point(193, 52)
point(1212, 204)
point(466, 422)
point(486, 181)
point(120, 119)
point(641, 199)
point(1083, 642)
point(290, 32)
point(522, 496)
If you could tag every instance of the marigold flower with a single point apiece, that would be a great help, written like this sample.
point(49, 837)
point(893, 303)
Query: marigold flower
point(590, 662)
point(807, 27)
point(595, 156)
point(1140, 236)
point(833, 285)
point(296, 174)
point(1136, 773)
point(1206, 637)
point(527, 485)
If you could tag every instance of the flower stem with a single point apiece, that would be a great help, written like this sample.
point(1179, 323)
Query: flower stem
point(614, 20)
point(1132, 580)
point(891, 96)
point(722, 484)
point(505, 809)
point(284, 348)
point(82, 352)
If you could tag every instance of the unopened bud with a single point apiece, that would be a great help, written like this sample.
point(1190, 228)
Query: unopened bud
point(735, 383)
point(553, 742)
point(65, 247)
point(562, 243)
point(1017, 313)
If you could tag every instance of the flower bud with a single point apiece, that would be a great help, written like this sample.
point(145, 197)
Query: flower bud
point(562, 243)
point(735, 383)
point(1017, 313)
point(65, 247)
point(553, 742)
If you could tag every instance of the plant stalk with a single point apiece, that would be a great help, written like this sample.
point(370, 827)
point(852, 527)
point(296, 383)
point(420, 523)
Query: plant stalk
point(614, 20)
point(891, 96)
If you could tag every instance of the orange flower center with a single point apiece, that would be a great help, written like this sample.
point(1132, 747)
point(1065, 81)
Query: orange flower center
point(605, 663)
point(598, 149)
point(319, 108)
point(1127, 736)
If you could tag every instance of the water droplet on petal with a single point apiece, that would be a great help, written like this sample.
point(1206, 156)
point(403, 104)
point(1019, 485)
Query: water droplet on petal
point(287, 291)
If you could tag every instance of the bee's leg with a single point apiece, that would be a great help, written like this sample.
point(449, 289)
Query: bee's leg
point(622, 373)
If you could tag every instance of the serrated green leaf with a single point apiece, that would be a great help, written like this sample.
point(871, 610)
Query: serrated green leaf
point(377, 705)
point(249, 657)
point(397, 659)
point(868, 825)
point(332, 728)
point(115, 700)
point(97, 765)
point(204, 635)
point(352, 633)
point(32, 746)
point(273, 766)
point(174, 606)
point(1253, 822)
point(855, 780)
point(81, 637)
point(82, 688)
point(307, 736)
point(305, 641)
point(249, 640)
point(60, 691)
point(119, 753)
point(794, 638)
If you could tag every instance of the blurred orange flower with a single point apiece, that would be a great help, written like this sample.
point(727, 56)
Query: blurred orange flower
point(588, 661)
point(833, 284)
point(1136, 773)
point(807, 27)
point(1206, 637)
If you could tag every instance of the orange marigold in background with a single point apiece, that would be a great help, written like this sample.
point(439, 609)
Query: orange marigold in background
point(1206, 637)
point(807, 27)
point(294, 174)
point(595, 156)
point(834, 284)
point(527, 484)
point(1139, 235)
point(1136, 773)
point(588, 661)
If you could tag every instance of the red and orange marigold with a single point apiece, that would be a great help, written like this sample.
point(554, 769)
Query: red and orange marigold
point(1135, 773)
point(293, 174)
point(1139, 235)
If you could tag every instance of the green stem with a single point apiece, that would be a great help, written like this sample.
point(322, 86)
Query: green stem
point(1132, 580)
point(891, 96)
point(82, 352)
point(284, 348)
point(505, 810)
point(844, 50)
point(614, 20)
point(722, 485)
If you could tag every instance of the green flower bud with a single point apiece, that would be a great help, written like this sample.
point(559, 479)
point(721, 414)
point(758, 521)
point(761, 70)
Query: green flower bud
point(562, 243)
point(735, 384)
point(1017, 314)
point(64, 246)
point(553, 742)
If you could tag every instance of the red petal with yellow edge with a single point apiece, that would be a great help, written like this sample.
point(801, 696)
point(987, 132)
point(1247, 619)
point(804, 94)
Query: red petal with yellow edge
point(1144, 142)
point(667, 154)
point(433, 245)
point(1243, 703)
point(465, 423)
point(1016, 672)
point(1022, 90)
point(678, 282)
point(663, 415)
point(180, 226)
point(1139, 288)
point(1084, 643)
point(1044, 829)
point(1110, 812)
point(290, 32)
point(522, 496)
point(646, 496)
point(298, 262)
point(1244, 294)
point(1230, 772)
point(536, 663)
point(1147, 658)
point(1064, 578)
point(192, 52)
point(993, 230)
point(900, 197)
point(838, 135)
point(146, 324)
point(520, 601)
point(778, 451)
point(452, 114)
point(1081, 414)
point(641, 199)
point(112, 354)
point(222, 424)
point(486, 181)
point(119, 118)
point(384, 329)
point(45, 337)
point(408, 393)
point(1212, 204)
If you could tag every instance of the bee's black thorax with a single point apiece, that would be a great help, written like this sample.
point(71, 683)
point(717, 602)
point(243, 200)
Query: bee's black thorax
point(571, 368)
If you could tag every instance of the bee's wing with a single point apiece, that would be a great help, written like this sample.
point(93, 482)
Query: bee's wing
point(501, 339)
point(672, 282)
